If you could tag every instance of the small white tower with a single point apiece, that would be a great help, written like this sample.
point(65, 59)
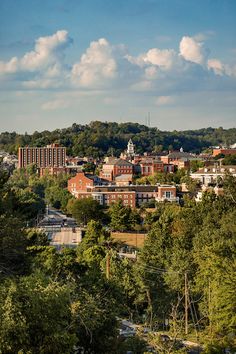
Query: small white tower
point(130, 148)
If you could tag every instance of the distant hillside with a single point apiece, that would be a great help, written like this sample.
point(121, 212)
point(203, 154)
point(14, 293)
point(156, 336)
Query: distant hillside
point(99, 138)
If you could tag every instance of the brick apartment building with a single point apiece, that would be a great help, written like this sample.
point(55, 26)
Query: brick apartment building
point(50, 156)
point(82, 182)
point(180, 159)
point(85, 186)
point(149, 166)
point(116, 167)
point(223, 151)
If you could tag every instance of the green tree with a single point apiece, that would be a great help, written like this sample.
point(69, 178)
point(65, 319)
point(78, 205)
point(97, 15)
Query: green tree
point(120, 216)
point(35, 316)
point(84, 210)
point(13, 245)
point(57, 197)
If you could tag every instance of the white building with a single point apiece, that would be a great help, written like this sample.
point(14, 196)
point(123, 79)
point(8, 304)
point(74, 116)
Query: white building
point(210, 174)
point(130, 148)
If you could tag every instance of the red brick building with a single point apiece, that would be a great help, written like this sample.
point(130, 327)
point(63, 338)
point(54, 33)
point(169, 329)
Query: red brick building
point(82, 183)
point(150, 166)
point(85, 186)
point(50, 156)
point(223, 151)
point(180, 159)
point(116, 167)
point(166, 192)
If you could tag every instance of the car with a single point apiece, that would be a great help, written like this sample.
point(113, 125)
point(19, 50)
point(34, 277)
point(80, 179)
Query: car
point(127, 331)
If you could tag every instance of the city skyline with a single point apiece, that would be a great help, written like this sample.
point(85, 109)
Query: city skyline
point(64, 62)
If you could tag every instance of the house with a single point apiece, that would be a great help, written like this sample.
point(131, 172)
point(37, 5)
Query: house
point(114, 167)
point(149, 166)
point(166, 193)
point(180, 158)
point(82, 183)
point(210, 174)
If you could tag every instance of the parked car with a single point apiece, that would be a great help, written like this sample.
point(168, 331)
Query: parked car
point(126, 331)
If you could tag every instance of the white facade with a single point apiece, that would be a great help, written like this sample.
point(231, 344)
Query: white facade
point(130, 148)
point(209, 175)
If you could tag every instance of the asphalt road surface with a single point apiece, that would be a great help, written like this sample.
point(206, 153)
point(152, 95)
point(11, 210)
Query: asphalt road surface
point(56, 218)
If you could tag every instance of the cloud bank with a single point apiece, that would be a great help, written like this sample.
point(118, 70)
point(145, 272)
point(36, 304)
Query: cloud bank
point(111, 67)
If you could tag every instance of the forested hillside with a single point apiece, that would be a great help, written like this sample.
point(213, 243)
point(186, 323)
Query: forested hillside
point(102, 138)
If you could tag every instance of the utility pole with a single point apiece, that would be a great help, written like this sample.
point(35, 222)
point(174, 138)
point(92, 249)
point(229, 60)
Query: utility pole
point(108, 266)
point(186, 301)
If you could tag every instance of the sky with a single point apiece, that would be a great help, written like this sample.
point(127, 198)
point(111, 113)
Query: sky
point(76, 61)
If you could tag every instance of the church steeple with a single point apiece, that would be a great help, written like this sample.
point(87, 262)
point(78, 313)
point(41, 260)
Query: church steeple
point(130, 148)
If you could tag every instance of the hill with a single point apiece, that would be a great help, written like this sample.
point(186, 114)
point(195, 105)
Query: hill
point(102, 138)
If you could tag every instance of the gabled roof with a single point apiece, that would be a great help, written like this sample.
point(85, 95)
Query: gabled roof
point(179, 154)
point(121, 162)
point(92, 177)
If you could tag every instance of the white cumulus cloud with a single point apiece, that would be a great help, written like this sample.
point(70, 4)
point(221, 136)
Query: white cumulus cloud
point(9, 67)
point(192, 50)
point(163, 58)
point(216, 65)
point(97, 65)
point(48, 50)
point(104, 66)
point(220, 68)
point(47, 54)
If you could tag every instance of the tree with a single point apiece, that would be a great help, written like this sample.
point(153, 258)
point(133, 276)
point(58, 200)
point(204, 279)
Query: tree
point(229, 160)
point(230, 187)
point(84, 210)
point(13, 245)
point(89, 167)
point(215, 254)
point(57, 197)
point(120, 216)
point(35, 316)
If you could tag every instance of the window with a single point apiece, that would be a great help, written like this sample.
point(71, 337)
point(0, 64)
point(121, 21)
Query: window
point(167, 195)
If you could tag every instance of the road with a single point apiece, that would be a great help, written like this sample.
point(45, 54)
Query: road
point(61, 230)
point(67, 237)
point(56, 218)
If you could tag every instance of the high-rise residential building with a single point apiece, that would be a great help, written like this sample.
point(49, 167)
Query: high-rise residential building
point(50, 156)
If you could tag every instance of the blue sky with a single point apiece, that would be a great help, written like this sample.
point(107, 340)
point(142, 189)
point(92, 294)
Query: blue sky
point(80, 60)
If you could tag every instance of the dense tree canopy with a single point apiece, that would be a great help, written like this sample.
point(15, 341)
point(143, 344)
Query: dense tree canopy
point(102, 138)
point(55, 302)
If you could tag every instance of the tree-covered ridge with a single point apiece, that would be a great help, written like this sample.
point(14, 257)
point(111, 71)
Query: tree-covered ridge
point(104, 138)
